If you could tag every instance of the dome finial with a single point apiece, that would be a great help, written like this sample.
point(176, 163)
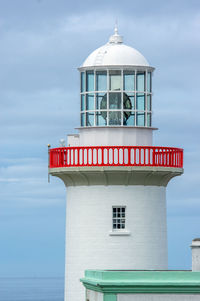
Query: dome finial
point(116, 27)
point(116, 38)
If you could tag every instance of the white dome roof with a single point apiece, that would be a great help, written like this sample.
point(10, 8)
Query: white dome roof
point(115, 53)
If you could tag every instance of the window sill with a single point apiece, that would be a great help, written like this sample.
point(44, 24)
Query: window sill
point(119, 233)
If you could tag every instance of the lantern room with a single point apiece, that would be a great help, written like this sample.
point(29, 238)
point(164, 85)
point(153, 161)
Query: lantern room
point(116, 87)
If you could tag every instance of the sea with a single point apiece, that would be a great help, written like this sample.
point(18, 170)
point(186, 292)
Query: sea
point(31, 289)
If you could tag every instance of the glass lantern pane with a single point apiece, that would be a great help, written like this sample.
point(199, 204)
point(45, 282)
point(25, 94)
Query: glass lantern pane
point(83, 119)
point(140, 119)
point(101, 118)
point(89, 119)
point(129, 80)
point(140, 103)
point(82, 81)
point(129, 101)
point(149, 81)
point(101, 80)
point(114, 100)
point(89, 81)
point(82, 102)
point(149, 102)
point(140, 81)
point(115, 80)
point(114, 118)
point(90, 102)
point(148, 119)
point(128, 118)
point(101, 101)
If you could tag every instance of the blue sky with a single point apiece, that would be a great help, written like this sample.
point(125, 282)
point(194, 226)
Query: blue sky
point(42, 44)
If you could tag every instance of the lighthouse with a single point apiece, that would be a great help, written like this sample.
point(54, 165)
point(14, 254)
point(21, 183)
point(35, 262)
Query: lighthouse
point(116, 179)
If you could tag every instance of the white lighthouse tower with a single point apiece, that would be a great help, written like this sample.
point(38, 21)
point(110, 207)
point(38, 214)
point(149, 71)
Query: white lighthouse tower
point(116, 179)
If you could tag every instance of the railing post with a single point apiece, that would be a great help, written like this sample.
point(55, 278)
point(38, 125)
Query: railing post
point(78, 160)
point(181, 158)
point(153, 157)
point(49, 163)
point(92, 154)
point(129, 155)
point(117, 156)
point(87, 150)
point(139, 155)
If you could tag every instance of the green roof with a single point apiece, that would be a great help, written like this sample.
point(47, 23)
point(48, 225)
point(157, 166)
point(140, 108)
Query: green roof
point(138, 281)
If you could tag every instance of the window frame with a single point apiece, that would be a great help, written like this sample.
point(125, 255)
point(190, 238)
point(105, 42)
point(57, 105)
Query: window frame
point(119, 219)
point(108, 111)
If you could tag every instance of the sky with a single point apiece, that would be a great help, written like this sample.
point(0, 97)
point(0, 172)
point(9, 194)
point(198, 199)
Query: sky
point(42, 43)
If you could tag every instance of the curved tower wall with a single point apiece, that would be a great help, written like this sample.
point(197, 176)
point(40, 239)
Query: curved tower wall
point(91, 243)
point(115, 136)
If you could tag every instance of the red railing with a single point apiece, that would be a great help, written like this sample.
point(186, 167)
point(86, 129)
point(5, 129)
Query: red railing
point(115, 156)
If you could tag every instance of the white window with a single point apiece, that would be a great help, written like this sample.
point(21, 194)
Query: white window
point(119, 217)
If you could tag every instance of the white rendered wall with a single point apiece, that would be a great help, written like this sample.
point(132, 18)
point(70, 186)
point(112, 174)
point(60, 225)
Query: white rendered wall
point(157, 297)
point(89, 244)
point(73, 140)
point(93, 296)
point(196, 257)
point(114, 136)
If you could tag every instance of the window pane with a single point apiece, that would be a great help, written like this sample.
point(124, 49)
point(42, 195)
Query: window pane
point(89, 119)
point(101, 80)
point(114, 100)
point(140, 81)
point(129, 80)
point(115, 80)
point(90, 102)
point(140, 119)
point(114, 118)
point(129, 118)
point(82, 102)
point(119, 223)
point(129, 101)
point(89, 81)
point(82, 81)
point(101, 118)
point(83, 119)
point(101, 101)
point(140, 102)
point(149, 81)
point(149, 102)
point(148, 119)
